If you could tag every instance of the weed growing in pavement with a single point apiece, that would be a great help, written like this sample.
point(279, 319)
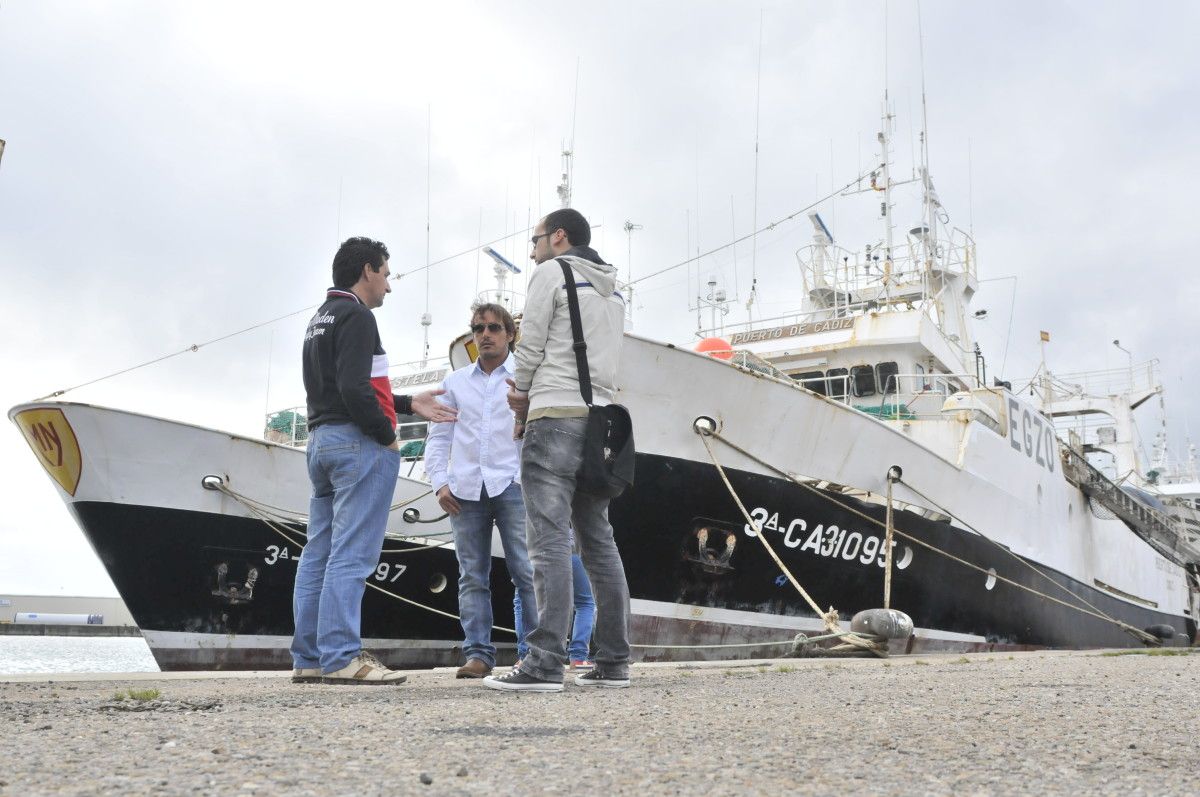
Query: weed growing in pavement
point(1152, 652)
point(920, 663)
point(785, 668)
point(961, 660)
point(140, 695)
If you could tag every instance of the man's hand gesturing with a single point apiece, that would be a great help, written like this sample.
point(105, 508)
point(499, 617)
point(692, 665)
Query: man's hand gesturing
point(425, 405)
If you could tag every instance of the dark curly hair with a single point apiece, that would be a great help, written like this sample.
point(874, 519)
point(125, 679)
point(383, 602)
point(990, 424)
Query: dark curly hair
point(352, 255)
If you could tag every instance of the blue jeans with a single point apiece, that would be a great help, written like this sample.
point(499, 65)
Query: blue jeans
point(550, 457)
point(585, 613)
point(473, 546)
point(353, 479)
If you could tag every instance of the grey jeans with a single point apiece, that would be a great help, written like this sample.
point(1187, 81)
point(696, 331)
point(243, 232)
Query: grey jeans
point(552, 452)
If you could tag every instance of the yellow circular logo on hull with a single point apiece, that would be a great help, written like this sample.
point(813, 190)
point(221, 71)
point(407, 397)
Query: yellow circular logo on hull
point(53, 440)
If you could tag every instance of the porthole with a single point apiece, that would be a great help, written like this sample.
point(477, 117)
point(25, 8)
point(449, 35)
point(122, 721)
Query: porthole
point(905, 558)
point(437, 583)
point(990, 584)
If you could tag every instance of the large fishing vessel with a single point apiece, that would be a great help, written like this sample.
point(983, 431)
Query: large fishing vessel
point(865, 415)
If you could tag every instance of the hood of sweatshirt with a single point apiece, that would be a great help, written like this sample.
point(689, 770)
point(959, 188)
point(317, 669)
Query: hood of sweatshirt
point(589, 265)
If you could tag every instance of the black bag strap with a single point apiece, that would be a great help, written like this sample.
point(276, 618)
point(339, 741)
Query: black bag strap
point(581, 360)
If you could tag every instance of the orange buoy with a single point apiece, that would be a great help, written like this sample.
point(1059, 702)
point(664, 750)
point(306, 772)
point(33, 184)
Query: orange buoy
point(715, 347)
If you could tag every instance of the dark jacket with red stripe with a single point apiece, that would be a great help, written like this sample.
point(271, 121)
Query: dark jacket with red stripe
point(346, 369)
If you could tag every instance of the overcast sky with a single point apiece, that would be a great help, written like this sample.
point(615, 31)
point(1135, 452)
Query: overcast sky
point(178, 171)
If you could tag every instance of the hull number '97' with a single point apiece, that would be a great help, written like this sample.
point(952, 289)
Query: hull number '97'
point(384, 571)
point(824, 540)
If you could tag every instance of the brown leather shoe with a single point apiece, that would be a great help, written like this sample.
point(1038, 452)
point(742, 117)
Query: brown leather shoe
point(474, 668)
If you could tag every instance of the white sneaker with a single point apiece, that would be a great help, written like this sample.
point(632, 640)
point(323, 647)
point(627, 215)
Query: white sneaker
point(364, 669)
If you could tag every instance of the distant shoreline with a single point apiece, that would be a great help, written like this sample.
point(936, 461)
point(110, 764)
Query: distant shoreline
point(41, 629)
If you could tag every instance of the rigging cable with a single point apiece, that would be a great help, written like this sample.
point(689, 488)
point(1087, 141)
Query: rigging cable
point(753, 234)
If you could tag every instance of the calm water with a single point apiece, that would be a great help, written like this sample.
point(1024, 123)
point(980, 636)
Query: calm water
point(22, 654)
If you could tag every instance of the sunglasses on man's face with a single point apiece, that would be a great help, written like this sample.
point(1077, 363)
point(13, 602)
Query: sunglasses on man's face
point(534, 239)
point(492, 327)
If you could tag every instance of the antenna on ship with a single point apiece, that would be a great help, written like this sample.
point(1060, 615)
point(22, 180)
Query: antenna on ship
point(884, 138)
point(754, 215)
point(629, 230)
point(568, 152)
point(426, 318)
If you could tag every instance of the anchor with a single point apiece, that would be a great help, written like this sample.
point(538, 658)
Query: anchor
point(235, 594)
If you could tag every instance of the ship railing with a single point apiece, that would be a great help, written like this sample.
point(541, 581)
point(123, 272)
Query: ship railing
point(287, 427)
point(904, 396)
point(1135, 378)
point(511, 300)
point(871, 275)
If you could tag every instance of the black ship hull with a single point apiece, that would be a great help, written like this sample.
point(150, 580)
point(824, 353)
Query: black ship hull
point(214, 591)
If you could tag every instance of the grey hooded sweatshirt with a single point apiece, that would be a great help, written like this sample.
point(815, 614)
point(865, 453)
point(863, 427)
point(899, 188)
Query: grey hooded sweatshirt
point(545, 353)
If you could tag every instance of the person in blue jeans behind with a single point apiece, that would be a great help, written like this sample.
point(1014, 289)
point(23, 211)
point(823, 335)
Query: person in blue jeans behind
point(585, 616)
point(353, 460)
point(474, 466)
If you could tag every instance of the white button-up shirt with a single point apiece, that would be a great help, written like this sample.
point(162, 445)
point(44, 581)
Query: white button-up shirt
point(478, 449)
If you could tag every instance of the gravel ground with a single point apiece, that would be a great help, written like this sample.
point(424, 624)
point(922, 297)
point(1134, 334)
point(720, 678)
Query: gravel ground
point(1058, 723)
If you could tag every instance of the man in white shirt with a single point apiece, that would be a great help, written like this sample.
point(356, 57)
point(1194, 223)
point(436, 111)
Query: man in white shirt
point(474, 465)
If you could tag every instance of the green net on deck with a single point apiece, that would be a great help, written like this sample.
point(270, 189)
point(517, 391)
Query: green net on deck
point(288, 423)
point(888, 412)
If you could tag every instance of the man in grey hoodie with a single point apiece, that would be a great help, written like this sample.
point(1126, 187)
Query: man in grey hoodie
point(552, 417)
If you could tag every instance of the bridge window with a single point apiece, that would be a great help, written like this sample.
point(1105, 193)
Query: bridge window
point(813, 380)
point(889, 383)
point(837, 383)
point(862, 379)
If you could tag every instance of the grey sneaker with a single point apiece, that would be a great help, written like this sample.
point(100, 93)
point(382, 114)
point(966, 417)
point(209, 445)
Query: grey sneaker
point(597, 678)
point(517, 681)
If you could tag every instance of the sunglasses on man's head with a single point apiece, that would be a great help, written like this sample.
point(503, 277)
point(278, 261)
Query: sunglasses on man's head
point(492, 327)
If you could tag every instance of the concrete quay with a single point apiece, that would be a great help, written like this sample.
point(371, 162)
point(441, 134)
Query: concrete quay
point(1044, 722)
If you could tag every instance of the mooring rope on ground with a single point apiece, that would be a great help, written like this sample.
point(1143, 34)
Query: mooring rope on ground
point(1136, 632)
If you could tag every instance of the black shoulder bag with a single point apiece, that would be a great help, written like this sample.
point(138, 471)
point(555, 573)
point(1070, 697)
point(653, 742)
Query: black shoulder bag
point(608, 452)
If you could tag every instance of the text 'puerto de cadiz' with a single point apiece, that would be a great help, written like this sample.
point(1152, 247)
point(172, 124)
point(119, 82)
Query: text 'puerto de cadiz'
point(791, 330)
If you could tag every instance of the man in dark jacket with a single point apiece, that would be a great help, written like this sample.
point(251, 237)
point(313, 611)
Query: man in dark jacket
point(353, 462)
